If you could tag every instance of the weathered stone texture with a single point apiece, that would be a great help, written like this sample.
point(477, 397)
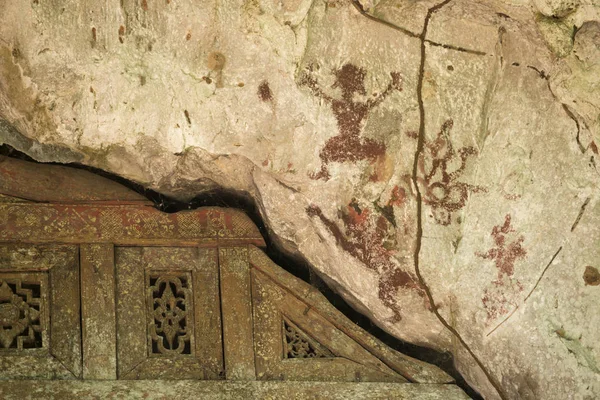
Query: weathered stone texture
point(436, 162)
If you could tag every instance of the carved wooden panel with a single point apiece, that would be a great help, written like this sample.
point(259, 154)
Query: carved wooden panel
point(308, 344)
point(297, 344)
point(40, 335)
point(320, 331)
point(23, 311)
point(168, 313)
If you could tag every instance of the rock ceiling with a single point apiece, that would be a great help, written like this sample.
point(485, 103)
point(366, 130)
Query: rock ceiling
point(436, 162)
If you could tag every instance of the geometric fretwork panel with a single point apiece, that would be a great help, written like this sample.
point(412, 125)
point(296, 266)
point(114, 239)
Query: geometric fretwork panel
point(21, 305)
point(170, 314)
point(297, 344)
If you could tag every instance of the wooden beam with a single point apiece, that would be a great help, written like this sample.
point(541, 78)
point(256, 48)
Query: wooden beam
point(123, 225)
point(59, 184)
point(225, 390)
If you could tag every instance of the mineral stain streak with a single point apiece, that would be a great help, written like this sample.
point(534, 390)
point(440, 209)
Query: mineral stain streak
point(348, 146)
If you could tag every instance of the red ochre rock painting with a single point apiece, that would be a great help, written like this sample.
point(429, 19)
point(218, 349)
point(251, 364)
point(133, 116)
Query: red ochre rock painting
point(369, 237)
point(439, 168)
point(504, 255)
point(498, 298)
point(499, 295)
point(348, 146)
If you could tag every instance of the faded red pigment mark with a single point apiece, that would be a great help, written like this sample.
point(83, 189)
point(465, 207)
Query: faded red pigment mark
point(499, 295)
point(498, 298)
point(398, 196)
point(397, 199)
point(440, 167)
point(121, 33)
point(412, 134)
point(348, 146)
point(504, 255)
point(365, 239)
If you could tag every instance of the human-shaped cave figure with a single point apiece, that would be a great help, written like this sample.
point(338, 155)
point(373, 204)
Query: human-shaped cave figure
point(348, 146)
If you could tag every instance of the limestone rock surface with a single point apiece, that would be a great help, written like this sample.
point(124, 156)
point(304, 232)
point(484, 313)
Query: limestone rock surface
point(436, 162)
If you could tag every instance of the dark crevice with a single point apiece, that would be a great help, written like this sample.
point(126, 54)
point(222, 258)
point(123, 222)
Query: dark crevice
point(296, 265)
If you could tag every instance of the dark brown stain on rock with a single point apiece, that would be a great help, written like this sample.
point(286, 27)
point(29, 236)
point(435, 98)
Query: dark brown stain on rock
point(264, 92)
point(216, 61)
point(188, 36)
point(365, 239)
point(348, 146)
point(94, 36)
point(145, 5)
point(591, 276)
point(187, 117)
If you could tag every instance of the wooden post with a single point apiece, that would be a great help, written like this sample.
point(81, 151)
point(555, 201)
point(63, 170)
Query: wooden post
point(236, 306)
point(98, 311)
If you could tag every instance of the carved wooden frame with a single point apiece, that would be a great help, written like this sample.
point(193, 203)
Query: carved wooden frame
point(56, 268)
point(133, 266)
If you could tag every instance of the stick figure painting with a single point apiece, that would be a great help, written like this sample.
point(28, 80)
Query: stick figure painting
point(348, 145)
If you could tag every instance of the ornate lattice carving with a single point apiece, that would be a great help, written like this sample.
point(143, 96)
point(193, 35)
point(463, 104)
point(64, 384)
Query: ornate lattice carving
point(20, 306)
point(298, 345)
point(170, 314)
